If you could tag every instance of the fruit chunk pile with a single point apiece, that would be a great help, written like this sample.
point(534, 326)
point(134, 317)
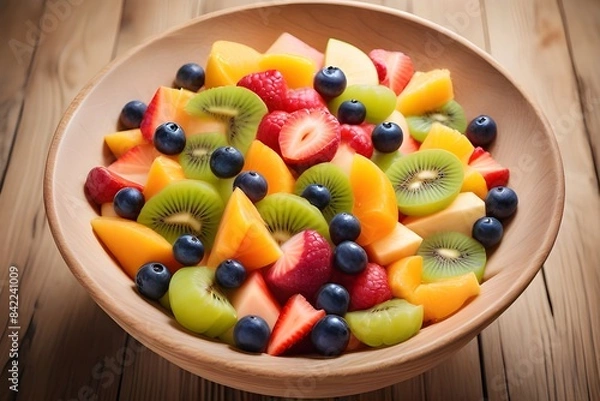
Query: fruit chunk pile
point(294, 201)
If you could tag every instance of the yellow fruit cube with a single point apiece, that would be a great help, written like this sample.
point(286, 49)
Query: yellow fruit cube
point(443, 137)
point(228, 62)
point(426, 91)
point(121, 141)
point(400, 243)
point(474, 182)
point(298, 71)
point(162, 172)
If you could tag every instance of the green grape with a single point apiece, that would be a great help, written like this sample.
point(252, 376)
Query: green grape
point(379, 100)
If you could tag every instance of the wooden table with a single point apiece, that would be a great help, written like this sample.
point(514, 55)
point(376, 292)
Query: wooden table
point(545, 347)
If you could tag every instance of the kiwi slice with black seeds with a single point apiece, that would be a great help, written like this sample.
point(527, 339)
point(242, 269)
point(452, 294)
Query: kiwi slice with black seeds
point(184, 207)
point(451, 114)
point(288, 214)
point(335, 180)
point(426, 181)
point(195, 157)
point(239, 108)
point(449, 254)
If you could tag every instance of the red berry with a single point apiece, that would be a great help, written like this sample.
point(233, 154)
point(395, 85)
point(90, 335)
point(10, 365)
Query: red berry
point(368, 288)
point(380, 66)
point(303, 98)
point(399, 68)
point(358, 137)
point(270, 127)
point(101, 185)
point(492, 171)
point(269, 85)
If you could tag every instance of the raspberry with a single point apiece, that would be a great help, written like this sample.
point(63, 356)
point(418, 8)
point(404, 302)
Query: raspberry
point(359, 138)
point(269, 85)
point(303, 98)
point(368, 288)
point(270, 127)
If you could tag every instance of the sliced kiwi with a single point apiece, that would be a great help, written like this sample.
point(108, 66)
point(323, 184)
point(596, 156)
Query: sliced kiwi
point(198, 304)
point(426, 181)
point(239, 108)
point(195, 158)
point(449, 254)
point(335, 180)
point(451, 114)
point(387, 323)
point(184, 207)
point(288, 214)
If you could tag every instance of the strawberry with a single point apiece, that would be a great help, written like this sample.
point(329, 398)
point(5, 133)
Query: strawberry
point(309, 137)
point(270, 127)
point(409, 144)
point(162, 108)
point(380, 67)
point(269, 85)
point(134, 164)
point(399, 68)
point(304, 267)
point(295, 322)
point(303, 98)
point(101, 185)
point(492, 171)
point(368, 288)
point(358, 137)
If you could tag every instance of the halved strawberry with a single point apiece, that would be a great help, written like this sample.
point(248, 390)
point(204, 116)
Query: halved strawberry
point(134, 164)
point(399, 68)
point(302, 98)
point(309, 137)
point(358, 137)
point(304, 267)
point(492, 171)
point(295, 322)
point(368, 288)
point(162, 108)
point(270, 127)
point(101, 185)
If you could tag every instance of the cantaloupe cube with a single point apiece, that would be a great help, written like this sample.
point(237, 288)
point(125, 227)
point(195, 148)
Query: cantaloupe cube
point(163, 171)
point(398, 244)
point(297, 71)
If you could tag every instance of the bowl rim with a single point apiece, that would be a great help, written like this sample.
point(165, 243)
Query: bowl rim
point(463, 333)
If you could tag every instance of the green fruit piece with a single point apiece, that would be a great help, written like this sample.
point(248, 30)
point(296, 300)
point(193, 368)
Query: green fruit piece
point(451, 114)
point(385, 160)
point(388, 323)
point(288, 214)
point(379, 100)
point(239, 108)
point(184, 207)
point(195, 158)
point(335, 180)
point(197, 303)
point(426, 181)
point(450, 254)
point(164, 302)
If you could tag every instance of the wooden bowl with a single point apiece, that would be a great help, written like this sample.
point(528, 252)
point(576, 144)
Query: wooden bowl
point(525, 144)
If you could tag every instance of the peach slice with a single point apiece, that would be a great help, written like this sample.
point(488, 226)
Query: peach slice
point(228, 62)
point(298, 71)
point(266, 161)
point(163, 171)
point(425, 91)
point(121, 141)
point(398, 244)
point(474, 182)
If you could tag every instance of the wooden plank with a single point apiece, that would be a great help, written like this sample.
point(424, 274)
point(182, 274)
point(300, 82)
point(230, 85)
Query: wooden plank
point(548, 347)
point(19, 25)
point(581, 21)
point(64, 336)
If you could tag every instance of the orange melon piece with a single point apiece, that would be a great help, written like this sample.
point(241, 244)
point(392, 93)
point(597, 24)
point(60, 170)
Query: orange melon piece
point(121, 141)
point(425, 91)
point(474, 182)
point(398, 244)
point(298, 71)
point(243, 235)
point(288, 43)
point(374, 200)
point(443, 137)
point(228, 62)
point(266, 161)
point(133, 244)
point(439, 299)
point(163, 171)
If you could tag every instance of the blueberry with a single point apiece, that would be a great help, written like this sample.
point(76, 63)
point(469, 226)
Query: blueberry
point(132, 114)
point(226, 162)
point(230, 273)
point(501, 202)
point(482, 130)
point(387, 137)
point(349, 257)
point(318, 195)
point(488, 231)
point(169, 138)
point(330, 335)
point(190, 76)
point(188, 250)
point(251, 333)
point(344, 227)
point(330, 82)
point(351, 112)
point(128, 202)
point(253, 184)
point(152, 280)
point(333, 298)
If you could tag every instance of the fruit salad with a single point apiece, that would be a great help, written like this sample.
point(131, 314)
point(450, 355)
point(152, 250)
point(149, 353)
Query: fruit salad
point(299, 201)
